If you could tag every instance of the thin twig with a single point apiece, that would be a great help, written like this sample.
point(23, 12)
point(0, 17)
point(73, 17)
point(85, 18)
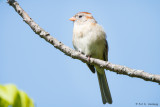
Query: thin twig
point(77, 55)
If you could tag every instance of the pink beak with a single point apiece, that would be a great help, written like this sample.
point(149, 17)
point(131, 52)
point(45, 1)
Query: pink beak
point(72, 19)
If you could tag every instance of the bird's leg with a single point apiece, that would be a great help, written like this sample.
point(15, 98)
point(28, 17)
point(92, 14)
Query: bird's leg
point(88, 57)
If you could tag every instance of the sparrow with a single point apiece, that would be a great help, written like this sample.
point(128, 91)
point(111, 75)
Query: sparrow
point(89, 38)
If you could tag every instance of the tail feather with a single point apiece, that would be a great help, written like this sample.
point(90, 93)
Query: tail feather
point(105, 92)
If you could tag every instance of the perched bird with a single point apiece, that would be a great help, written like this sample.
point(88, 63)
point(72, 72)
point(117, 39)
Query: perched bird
point(90, 39)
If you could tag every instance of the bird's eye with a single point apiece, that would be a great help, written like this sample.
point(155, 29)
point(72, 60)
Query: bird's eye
point(80, 16)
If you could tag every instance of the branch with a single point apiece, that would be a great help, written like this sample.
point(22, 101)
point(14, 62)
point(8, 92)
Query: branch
point(77, 55)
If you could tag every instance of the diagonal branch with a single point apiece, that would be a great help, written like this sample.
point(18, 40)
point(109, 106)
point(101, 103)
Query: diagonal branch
point(77, 55)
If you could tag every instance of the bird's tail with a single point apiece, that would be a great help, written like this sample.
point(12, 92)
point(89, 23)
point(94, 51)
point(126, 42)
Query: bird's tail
point(105, 92)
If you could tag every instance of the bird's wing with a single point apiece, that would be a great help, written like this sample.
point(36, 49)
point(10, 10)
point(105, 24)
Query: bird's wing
point(105, 52)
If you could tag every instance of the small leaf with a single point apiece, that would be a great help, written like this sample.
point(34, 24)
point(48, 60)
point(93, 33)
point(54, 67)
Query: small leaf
point(10, 96)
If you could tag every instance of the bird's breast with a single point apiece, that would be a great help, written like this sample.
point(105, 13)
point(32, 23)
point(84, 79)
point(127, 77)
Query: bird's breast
point(89, 40)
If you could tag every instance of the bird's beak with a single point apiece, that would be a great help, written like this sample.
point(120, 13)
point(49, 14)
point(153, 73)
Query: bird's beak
point(72, 19)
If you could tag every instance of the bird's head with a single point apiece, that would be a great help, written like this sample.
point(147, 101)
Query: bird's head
point(83, 17)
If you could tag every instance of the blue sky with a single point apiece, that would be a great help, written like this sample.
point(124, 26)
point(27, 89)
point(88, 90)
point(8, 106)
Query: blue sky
point(53, 79)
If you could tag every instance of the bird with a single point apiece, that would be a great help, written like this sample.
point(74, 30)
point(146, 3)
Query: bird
point(89, 38)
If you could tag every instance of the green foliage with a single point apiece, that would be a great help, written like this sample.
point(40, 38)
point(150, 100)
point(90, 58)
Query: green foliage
point(10, 96)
